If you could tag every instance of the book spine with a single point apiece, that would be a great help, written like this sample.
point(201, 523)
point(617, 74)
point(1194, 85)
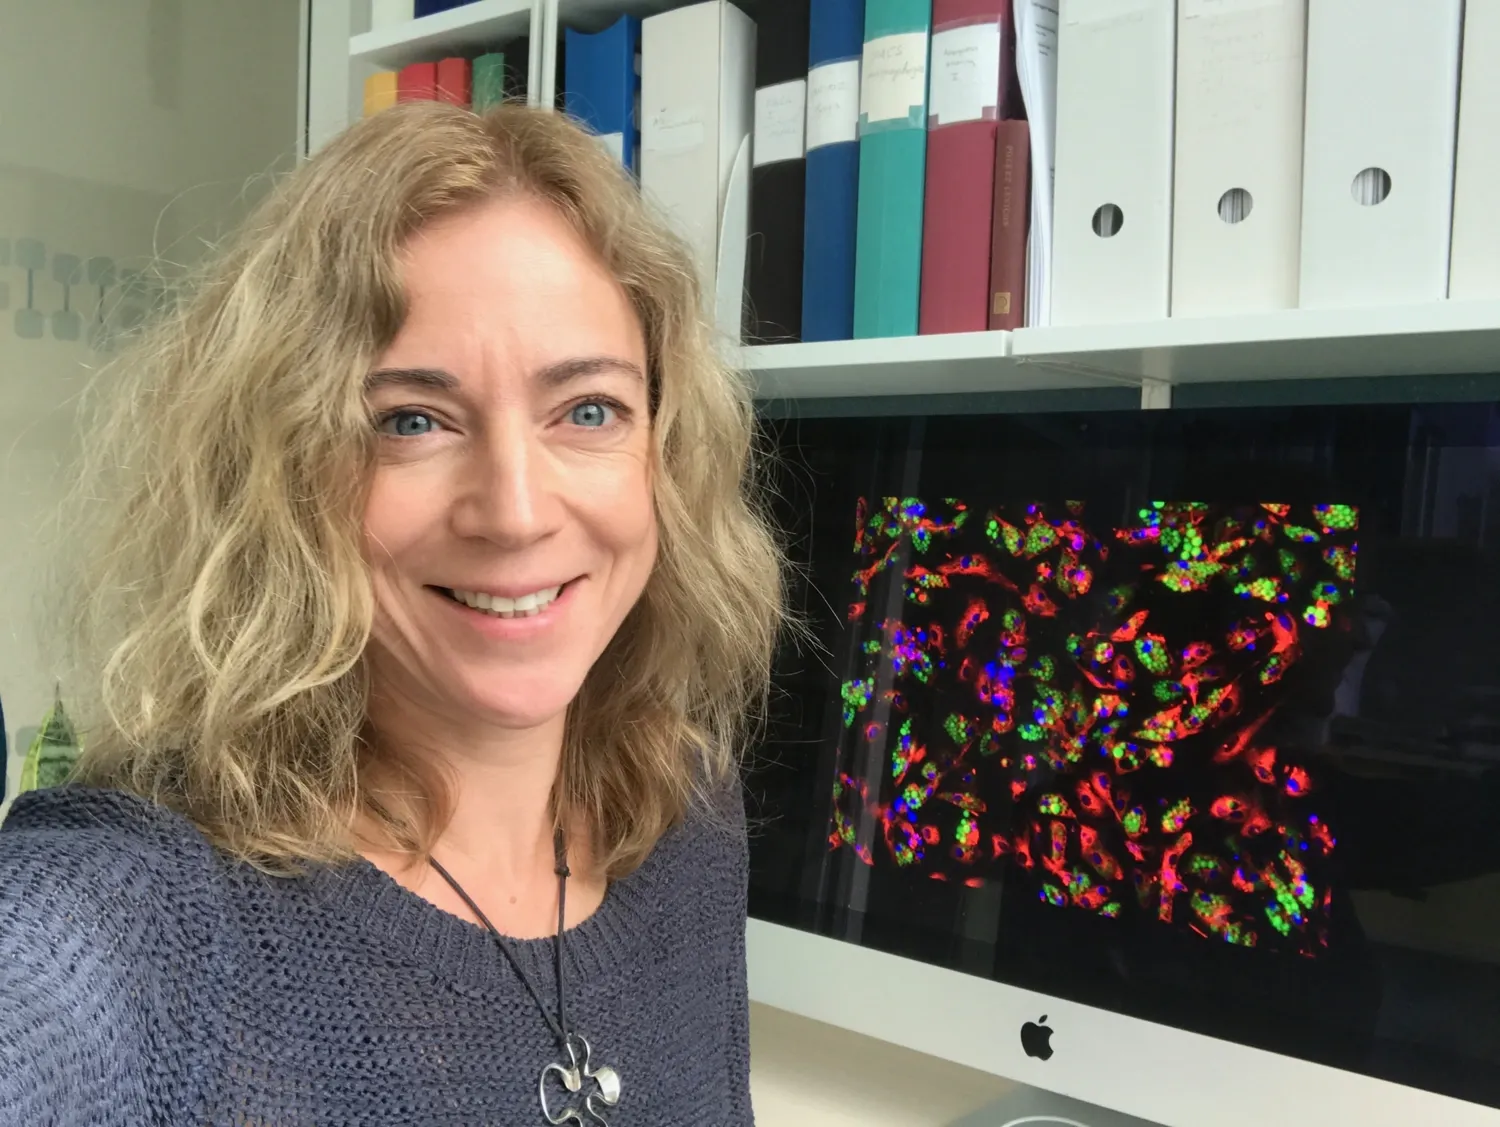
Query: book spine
point(380, 92)
point(778, 178)
point(968, 43)
point(417, 83)
point(835, 41)
point(1010, 225)
point(602, 83)
point(892, 168)
point(454, 82)
point(487, 81)
point(682, 119)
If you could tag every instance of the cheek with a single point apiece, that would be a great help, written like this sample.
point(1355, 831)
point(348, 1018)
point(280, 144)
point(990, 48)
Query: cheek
point(623, 509)
point(393, 518)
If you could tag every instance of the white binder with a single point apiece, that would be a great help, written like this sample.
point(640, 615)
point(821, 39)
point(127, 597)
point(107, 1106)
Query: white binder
point(1382, 96)
point(1475, 271)
point(1237, 197)
point(697, 109)
point(1112, 226)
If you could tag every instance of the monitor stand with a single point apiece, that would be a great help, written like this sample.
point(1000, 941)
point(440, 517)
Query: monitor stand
point(1033, 1107)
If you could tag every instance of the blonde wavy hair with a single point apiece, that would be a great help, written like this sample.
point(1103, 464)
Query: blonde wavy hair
point(223, 604)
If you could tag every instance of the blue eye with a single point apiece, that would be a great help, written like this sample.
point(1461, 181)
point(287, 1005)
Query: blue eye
point(407, 424)
point(591, 415)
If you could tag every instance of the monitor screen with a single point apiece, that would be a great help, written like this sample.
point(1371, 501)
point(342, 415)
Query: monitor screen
point(1189, 715)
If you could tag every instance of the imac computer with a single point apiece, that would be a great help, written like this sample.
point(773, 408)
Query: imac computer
point(1151, 758)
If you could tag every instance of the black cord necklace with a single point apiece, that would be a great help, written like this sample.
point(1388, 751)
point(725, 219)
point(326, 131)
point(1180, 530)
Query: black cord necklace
point(604, 1082)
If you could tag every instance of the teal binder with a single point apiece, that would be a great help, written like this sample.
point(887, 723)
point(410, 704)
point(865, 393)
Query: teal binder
point(892, 168)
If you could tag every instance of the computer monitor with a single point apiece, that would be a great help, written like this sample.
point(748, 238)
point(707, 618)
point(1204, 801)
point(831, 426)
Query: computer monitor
point(1149, 757)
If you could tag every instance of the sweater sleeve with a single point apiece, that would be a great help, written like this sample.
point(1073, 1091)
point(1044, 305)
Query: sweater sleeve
point(76, 990)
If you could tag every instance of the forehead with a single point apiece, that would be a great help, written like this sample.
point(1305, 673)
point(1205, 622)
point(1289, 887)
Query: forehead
point(505, 288)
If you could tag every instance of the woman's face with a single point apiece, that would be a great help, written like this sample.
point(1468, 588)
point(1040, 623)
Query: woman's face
point(510, 526)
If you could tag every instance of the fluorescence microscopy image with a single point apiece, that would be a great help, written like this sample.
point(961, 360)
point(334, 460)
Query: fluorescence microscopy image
point(1091, 707)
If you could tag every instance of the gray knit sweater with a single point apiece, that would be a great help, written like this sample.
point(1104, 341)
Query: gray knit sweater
point(147, 980)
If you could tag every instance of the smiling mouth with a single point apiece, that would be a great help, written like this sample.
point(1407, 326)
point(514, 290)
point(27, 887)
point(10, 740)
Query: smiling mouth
point(497, 606)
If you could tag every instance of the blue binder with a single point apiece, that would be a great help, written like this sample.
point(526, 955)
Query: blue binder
point(602, 85)
point(422, 8)
point(836, 35)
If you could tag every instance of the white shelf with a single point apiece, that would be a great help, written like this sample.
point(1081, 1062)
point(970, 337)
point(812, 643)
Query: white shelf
point(1444, 338)
point(1300, 344)
point(467, 31)
point(933, 365)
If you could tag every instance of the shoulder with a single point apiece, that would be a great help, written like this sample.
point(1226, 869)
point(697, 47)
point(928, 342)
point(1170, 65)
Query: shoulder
point(108, 918)
point(707, 852)
point(75, 850)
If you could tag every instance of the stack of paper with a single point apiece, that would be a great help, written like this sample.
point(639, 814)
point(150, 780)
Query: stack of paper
point(1036, 71)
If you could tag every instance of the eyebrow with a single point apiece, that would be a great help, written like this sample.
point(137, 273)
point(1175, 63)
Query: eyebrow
point(552, 376)
point(555, 375)
point(432, 378)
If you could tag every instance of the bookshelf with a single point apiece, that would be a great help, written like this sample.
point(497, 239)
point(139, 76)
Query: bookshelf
point(1442, 338)
point(469, 30)
point(1439, 338)
point(957, 362)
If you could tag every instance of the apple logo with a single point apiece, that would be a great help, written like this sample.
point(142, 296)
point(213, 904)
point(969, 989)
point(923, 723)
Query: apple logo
point(1036, 1039)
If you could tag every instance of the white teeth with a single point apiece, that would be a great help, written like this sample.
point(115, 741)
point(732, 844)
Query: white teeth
point(524, 607)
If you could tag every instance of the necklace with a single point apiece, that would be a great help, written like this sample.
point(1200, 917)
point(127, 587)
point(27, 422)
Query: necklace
point(603, 1082)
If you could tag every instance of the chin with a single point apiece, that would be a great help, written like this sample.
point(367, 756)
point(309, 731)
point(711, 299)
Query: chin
point(530, 700)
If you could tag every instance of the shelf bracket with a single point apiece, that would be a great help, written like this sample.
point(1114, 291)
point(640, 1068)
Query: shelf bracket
point(1156, 395)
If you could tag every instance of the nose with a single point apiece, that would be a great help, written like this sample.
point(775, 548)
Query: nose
point(508, 492)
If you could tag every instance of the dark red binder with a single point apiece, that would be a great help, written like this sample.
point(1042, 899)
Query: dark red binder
point(960, 195)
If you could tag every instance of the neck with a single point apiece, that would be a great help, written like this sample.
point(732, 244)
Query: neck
point(500, 785)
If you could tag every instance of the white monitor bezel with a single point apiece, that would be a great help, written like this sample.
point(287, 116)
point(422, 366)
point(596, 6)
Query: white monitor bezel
point(1156, 1072)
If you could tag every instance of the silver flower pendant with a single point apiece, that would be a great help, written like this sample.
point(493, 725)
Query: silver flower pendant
point(602, 1084)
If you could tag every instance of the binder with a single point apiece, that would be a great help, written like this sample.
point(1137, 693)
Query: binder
point(1010, 220)
point(602, 85)
point(1377, 165)
point(417, 83)
point(836, 36)
point(1237, 197)
point(453, 82)
point(892, 167)
point(1475, 271)
point(778, 176)
point(380, 91)
point(697, 100)
point(1112, 236)
point(970, 41)
point(488, 81)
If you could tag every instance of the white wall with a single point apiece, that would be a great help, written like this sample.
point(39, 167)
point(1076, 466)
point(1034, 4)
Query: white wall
point(134, 130)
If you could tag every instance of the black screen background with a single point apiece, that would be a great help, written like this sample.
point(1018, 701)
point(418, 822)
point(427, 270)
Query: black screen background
point(1409, 988)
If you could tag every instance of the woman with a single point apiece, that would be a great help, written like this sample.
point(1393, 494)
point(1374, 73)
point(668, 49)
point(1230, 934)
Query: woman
point(429, 596)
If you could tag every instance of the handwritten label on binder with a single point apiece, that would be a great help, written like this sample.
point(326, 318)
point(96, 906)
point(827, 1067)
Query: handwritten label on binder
point(965, 73)
point(780, 122)
point(893, 80)
point(833, 103)
point(672, 131)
